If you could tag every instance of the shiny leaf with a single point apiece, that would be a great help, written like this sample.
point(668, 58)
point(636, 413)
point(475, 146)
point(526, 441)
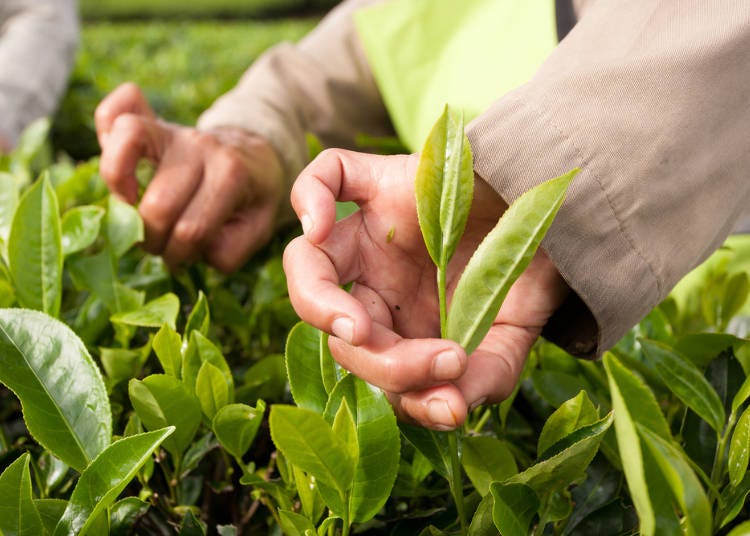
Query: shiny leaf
point(80, 228)
point(514, 507)
point(50, 510)
point(212, 389)
point(487, 459)
point(431, 444)
point(162, 310)
point(199, 318)
point(294, 524)
point(501, 257)
point(167, 345)
point(200, 349)
point(739, 449)
point(236, 425)
point(18, 514)
point(303, 367)
point(65, 402)
point(123, 226)
point(569, 417)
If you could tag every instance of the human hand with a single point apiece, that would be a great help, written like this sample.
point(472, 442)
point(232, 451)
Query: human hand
point(386, 329)
point(214, 195)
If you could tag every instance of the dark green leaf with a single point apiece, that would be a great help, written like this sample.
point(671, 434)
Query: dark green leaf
point(303, 365)
point(106, 477)
point(39, 358)
point(50, 511)
point(35, 249)
point(602, 485)
point(80, 228)
point(236, 425)
point(124, 514)
point(444, 186)
point(501, 257)
point(18, 514)
point(486, 460)
point(482, 523)
point(514, 507)
point(732, 500)
point(191, 526)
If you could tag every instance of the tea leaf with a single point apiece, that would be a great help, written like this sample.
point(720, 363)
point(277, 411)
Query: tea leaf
point(431, 444)
point(303, 365)
point(308, 442)
point(377, 441)
point(739, 449)
point(35, 249)
point(501, 257)
point(743, 529)
point(162, 310)
point(200, 317)
point(514, 508)
point(444, 186)
point(123, 226)
point(482, 523)
point(200, 349)
point(39, 358)
point(8, 203)
point(684, 485)
point(97, 274)
point(345, 428)
point(487, 459)
point(80, 228)
point(236, 425)
point(18, 514)
point(686, 382)
point(212, 389)
point(50, 511)
point(741, 396)
point(167, 345)
point(294, 524)
point(162, 401)
point(569, 417)
point(106, 477)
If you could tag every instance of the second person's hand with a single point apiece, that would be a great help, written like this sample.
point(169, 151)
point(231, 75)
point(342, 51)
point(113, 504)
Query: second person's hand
point(215, 195)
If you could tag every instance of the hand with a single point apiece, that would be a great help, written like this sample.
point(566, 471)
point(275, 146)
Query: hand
point(215, 194)
point(385, 331)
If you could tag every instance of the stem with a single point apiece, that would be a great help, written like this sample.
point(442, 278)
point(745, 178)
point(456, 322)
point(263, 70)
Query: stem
point(486, 414)
point(345, 519)
point(539, 529)
point(456, 482)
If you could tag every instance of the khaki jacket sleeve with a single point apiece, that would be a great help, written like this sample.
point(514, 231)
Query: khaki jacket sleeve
point(321, 85)
point(651, 100)
point(38, 41)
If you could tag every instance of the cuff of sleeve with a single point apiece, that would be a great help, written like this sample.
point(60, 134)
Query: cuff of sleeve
point(517, 146)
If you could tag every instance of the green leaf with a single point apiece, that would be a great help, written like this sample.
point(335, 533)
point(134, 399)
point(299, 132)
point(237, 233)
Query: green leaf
point(444, 186)
point(433, 446)
point(265, 379)
point(168, 348)
point(482, 523)
point(732, 500)
point(739, 449)
point(630, 401)
point(742, 395)
point(18, 514)
point(569, 417)
point(329, 369)
point(308, 442)
point(123, 364)
point(236, 425)
point(303, 366)
point(124, 514)
point(200, 350)
point(501, 257)
point(686, 382)
point(80, 228)
point(191, 526)
point(35, 249)
point(199, 318)
point(345, 429)
point(97, 274)
point(378, 444)
point(161, 401)
point(8, 203)
point(50, 511)
point(486, 460)
point(39, 359)
point(294, 524)
point(743, 529)
point(514, 507)
point(212, 389)
point(162, 310)
point(313, 505)
point(684, 485)
point(124, 227)
point(102, 481)
point(31, 142)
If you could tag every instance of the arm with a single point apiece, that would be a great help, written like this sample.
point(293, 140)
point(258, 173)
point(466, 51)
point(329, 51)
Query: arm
point(650, 100)
point(38, 40)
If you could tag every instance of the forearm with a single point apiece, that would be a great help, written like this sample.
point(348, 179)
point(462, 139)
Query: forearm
point(649, 100)
point(37, 52)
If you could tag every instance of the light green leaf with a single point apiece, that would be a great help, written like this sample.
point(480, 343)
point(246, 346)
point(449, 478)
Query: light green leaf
point(65, 402)
point(743, 529)
point(236, 425)
point(168, 348)
point(8, 203)
point(303, 366)
point(162, 310)
point(80, 228)
point(50, 511)
point(308, 442)
point(124, 227)
point(739, 449)
point(212, 389)
point(514, 507)
point(200, 317)
point(741, 396)
point(161, 401)
point(377, 440)
point(501, 257)
point(684, 485)
point(18, 514)
point(330, 371)
point(444, 186)
point(123, 364)
point(106, 477)
point(629, 393)
point(487, 459)
point(732, 500)
point(686, 382)
point(313, 505)
point(35, 249)
point(31, 143)
point(569, 417)
point(345, 428)
point(200, 349)
point(97, 274)
point(329, 524)
point(294, 524)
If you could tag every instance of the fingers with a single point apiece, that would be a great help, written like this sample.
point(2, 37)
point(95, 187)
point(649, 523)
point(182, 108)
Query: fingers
point(440, 408)
point(240, 237)
point(127, 98)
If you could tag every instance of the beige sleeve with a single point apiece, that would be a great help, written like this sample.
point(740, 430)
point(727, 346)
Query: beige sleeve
point(650, 99)
point(38, 41)
point(321, 85)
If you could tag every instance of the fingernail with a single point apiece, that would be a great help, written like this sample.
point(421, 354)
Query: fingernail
point(343, 328)
point(440, 414)
point(446, 366)
point(307, 223)
point(478, 403)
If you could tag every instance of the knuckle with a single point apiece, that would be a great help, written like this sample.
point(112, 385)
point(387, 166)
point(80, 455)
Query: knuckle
point(189, 232)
